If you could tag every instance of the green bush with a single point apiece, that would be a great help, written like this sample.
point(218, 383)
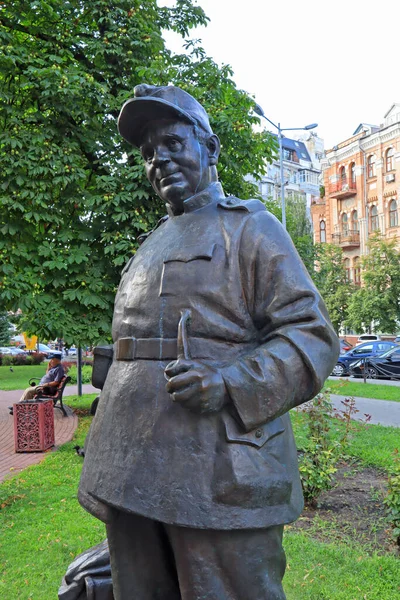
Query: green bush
point(20, 360)
point(86, 374)
point(7, 360)
point(317, 461)
point(37, 358)
point(392, 500)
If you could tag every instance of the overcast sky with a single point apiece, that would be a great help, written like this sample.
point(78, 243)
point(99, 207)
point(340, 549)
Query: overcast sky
point(336, 63)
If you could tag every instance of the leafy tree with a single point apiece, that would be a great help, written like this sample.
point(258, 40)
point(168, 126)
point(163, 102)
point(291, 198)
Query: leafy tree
point(298, 225)
point(73, 195)
point(298, 221)
point(331, 280)
point(376, 304)
point(5, 329)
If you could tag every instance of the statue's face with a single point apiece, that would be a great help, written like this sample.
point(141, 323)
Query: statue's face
point(177, 164)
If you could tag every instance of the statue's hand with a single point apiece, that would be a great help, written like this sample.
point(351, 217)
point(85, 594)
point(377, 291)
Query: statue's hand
point(198, 387)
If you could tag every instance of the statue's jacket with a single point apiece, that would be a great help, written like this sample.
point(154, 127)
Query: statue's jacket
point(257, 316)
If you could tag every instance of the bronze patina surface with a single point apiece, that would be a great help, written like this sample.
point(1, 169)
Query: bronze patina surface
point(218, 332)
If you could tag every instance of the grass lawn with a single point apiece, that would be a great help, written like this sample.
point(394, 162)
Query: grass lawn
point(43, 528)
point(18, 378)
point(378, 391)
point(373, 445)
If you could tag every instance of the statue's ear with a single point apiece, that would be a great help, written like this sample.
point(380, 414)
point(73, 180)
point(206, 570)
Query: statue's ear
point(213, 147)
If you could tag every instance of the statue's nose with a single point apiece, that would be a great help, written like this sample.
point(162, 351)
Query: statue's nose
point(160, 157)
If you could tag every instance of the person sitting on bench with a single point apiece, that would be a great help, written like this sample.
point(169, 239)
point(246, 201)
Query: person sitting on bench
point(49, 382)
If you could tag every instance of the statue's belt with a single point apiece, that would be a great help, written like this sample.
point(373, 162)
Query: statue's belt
point(131, 348)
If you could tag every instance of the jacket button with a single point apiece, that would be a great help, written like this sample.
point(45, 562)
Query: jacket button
point(259, 433)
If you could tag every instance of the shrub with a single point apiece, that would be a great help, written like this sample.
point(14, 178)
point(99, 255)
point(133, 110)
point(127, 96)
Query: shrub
point(20, 359)
point(67, 364)
point(392, 500)
point(317, 462)
point(37, 358)
point(7, 360)
point(86, 374)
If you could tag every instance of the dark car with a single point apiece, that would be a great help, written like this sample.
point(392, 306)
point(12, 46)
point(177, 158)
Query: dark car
point(345, 346)
point(385, 366)
point(361, 351)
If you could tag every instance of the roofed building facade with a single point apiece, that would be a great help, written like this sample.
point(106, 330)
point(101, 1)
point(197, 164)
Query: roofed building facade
point(361, 176)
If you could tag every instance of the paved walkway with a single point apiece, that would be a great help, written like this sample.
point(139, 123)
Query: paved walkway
point(12, 462)
point(382, 412)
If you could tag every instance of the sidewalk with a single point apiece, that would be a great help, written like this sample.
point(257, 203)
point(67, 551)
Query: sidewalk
point(12, 462)
point(383, 412)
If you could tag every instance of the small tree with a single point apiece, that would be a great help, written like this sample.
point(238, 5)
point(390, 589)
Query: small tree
point(331, 279)
point(5, 329)
point(376, 304)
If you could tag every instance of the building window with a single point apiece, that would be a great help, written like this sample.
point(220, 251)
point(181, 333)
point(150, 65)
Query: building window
point(389, 160)
point(345, 224)
point(371, 166)
point(289, 155)
point(322, 232)
point(357, 270)
point(354, 221)
point(353, 172)
point(393, 214)
point(346, 263)
point(266, 189)
point(374, 218)
point(343, 179)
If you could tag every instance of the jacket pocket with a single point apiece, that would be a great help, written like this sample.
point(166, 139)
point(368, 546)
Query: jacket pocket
point(186, 268)
point(257, 437)
point(250, 469)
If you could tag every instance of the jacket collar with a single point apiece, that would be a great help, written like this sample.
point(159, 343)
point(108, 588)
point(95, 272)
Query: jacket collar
point(212, 194)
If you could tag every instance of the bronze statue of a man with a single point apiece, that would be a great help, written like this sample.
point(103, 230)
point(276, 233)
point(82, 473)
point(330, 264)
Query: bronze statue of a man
point(218, 332)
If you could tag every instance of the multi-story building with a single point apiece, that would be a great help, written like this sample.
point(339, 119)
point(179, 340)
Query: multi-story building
point(362, 183)
point(301, 170)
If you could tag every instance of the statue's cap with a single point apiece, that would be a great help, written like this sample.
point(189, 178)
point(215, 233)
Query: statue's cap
point(151, 102)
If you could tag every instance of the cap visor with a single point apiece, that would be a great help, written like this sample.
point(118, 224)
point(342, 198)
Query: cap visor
point(138, 112)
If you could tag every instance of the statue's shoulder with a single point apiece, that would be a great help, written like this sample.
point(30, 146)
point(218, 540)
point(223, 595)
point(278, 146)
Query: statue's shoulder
point(143, 236)
point(140, 239)
point(248, 206)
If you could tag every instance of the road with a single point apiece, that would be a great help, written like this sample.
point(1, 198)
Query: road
point(383, 412)
point(373, 381)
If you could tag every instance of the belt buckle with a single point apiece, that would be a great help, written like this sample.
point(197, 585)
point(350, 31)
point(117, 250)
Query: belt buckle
point(126, 348)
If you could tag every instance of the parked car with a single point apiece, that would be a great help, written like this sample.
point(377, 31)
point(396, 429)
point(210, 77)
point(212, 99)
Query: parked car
point(11, 350)
point(47, 351)
point(368, 337)
point(345, 346)
point(397, 339)
point(363, 350)
point(385, 366)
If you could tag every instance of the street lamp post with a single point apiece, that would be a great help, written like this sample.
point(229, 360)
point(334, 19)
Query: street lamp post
point(259, 111)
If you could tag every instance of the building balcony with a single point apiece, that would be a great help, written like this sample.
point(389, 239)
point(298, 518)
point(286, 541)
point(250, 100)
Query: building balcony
point(347, 239)
point(343, 189)
point(318, 201)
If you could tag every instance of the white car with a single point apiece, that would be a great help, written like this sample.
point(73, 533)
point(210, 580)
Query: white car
point(11, 350)
point(47, 351)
